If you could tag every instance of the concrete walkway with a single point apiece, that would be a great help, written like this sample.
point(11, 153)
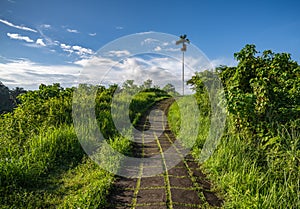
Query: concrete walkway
point(181, 186)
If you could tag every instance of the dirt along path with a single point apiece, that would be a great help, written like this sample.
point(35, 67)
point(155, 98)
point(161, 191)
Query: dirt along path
point(181, 186)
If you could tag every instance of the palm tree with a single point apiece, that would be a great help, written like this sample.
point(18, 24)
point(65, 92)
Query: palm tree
point(182, 41)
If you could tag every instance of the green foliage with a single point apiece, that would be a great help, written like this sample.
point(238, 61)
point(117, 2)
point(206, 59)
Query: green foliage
point(40, 155)
point(262, 91)
point(42, 164)
point(86, 186)
point(170, 89)
point(143, 101)
point(235, 166)
point(5, 103)
point(8, 98)
point(183, 121)
point(257, 162)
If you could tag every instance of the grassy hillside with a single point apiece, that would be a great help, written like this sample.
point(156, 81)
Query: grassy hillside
point(257, 163)
point(42, 164)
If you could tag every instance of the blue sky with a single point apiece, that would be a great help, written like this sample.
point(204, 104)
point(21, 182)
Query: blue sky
point(47, 39)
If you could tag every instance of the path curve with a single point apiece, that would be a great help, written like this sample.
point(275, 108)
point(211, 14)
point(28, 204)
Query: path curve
point(183, 186)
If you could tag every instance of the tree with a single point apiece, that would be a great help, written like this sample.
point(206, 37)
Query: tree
point(5, 102)
point(147, 84)
point(14, 93)
point(129, 84)
point(262, 90)
point(169, 88)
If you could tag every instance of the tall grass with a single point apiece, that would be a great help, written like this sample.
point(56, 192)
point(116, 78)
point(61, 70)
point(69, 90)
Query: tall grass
point(263, 176)
point(39, 155)
point(56, 155)
point(236, 168)
point(42, 163)
point(193, 123)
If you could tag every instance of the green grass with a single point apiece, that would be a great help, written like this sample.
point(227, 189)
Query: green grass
point(82, 186)
point(235, 167)
point(42, 163)
point(263, 176)
point(192, 128)
point(39, 155)
point(54, 171)
point(142, 102)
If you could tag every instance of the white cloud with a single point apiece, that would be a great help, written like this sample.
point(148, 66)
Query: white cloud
point(40, 41)
point(72, 30)
point(147, 32)
point(162, 70)
point(92, 34)
point(98, 70)
point(17, 26)
point(19, 37)
point(158, 45)
point(118, 53)
point(149, 41)
point(66, 48)
point(95, 61)
point(29, 75)
point(79, 50)
point(157, 49)
point(119, 27)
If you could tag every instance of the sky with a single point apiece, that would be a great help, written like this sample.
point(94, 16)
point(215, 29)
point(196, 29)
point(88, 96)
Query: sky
point(48, 41)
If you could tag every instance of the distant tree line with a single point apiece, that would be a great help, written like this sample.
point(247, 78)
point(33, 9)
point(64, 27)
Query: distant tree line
point(8, 98)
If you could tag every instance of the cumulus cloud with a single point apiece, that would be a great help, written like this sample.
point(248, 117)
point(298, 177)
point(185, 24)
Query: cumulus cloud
point(157, 49)
point(94, 69)
point(161, 70)
point(29, 75)
point(17, 26)
point(92, 34)
point(66, 48)
point(72, 30)
point(95, 61)
point(98, 70)
point(40, 42)
point(19, 37)
point(79, 50)
point(118, 53)
point(159, 46)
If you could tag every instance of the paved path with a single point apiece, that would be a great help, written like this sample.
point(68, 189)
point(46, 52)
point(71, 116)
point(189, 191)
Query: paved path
point(183, 186)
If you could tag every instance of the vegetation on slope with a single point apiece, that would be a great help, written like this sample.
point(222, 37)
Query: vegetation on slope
point(257, 163)
point(42, 163)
